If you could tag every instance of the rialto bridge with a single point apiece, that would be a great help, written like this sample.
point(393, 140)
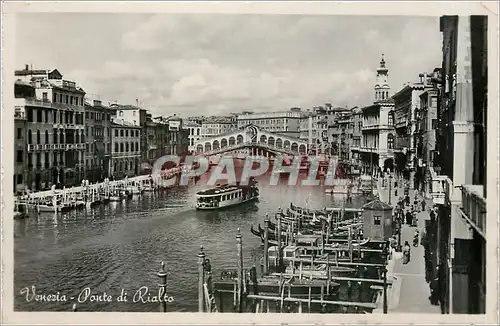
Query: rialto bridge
point(253, 140)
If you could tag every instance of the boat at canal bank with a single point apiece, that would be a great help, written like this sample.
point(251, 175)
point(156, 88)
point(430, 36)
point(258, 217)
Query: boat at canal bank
point(226, 195)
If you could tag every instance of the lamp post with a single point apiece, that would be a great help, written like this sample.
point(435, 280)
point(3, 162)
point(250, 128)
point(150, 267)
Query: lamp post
point(390, 188)
point(384, 275)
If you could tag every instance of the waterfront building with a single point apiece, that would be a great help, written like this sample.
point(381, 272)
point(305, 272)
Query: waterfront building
point(194, 129)
point(459, 181)
point(377, 128)
point(340, 129)
point(55, 140)
point(314, 129)
point(212, 127)
point(21, 90)
point(126, 148)
point(97, 141)
point(357, 134)
point(136, 116)
point(280, 122)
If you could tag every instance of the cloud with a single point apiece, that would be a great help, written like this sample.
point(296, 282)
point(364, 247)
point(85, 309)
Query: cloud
point(202, 64)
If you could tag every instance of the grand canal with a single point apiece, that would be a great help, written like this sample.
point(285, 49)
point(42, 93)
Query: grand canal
point(120, 246)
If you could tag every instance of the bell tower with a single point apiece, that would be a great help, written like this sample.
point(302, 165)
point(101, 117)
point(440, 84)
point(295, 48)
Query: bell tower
point(382, 85)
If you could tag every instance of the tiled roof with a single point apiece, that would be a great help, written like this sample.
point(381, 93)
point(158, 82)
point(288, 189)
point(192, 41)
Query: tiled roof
point(377, 205)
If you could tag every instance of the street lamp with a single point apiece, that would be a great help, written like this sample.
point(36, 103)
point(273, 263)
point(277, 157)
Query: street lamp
point(384, 275)
point(390, 188)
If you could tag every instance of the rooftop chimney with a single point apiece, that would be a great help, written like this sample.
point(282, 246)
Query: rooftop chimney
point(26, 67)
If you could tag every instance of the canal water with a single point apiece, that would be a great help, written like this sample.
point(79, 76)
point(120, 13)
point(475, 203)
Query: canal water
point(119, 247)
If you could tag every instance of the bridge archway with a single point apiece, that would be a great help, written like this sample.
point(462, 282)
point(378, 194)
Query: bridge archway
point(232, 141)
point(199, 148)
point(302, 149)
point(295, 147)
point(286, 144)
point(263, 139)
point(279, 143)
point(271, 141)
point(223, 143)
point(239, 139)
point(215, 145)
point(208, 147)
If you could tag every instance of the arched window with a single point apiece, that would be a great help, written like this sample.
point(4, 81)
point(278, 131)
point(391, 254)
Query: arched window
point(116, 148)
point(390, 141)
point(391, 118)
point(136, 146)
point(38, 140)
point(46, 136)
point(30, 137)
point(127, 147)
point(121, 147)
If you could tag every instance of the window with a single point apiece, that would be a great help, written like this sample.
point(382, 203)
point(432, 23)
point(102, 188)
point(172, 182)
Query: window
point(126, 133)
point(121, 114)
point(390, 141)
point(46, 136)
point(66, 99)
point(116, 147)
point(127, 147)
point(377, 220)
point(116, 132)
point(121, 133)
point(19, 157)
point(39, 115)
point(121, 147)
point(54, 97)
point(38, 138)
point(19, 133)
point(391, 118)
point(434, 123)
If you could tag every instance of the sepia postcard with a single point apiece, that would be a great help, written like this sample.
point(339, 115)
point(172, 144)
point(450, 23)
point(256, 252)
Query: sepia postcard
point(249, 163)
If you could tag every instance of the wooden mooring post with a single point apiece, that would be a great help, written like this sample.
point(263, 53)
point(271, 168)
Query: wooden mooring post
point(266, 245)
point(201, 280)
point(239, 247)
point(162, 287)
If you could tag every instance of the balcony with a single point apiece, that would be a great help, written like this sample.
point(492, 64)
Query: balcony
point(35, 102)
point(19, 114)
point(31, 148)
point(46, 146)
point(441, 189)
point(474, 208)
point(39, 147)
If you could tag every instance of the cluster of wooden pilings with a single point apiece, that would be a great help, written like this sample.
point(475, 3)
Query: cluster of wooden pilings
point(302, 271)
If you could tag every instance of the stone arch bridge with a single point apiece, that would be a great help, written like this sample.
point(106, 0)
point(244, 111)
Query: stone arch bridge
point(253, 138)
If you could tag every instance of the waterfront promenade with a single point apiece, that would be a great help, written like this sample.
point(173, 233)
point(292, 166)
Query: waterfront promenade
point(410, 291)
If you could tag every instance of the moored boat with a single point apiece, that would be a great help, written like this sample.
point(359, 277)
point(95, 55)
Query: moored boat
point(226, 196)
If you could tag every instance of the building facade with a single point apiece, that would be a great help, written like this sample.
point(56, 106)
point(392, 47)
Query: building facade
point(194, 129)
point(216, 126)
point(313, 128)
point(406, 110)
point(134, 116)
point(357, 134)
point(55, 139)
point(126, 148)
point(98, 141)
point(281, 122)
point(377, 127)
point(426, 133)
point(458, 232)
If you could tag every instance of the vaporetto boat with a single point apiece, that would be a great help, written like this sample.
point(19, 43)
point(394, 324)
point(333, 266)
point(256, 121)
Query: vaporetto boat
point(226, 196)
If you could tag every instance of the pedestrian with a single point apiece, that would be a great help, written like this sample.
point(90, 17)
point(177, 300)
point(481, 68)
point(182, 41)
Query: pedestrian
point(406, 253)
point(408, 217)
point(423, 204)
point(407, 200)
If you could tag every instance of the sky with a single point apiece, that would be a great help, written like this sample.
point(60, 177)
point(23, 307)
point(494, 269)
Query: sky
point(212, 64)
